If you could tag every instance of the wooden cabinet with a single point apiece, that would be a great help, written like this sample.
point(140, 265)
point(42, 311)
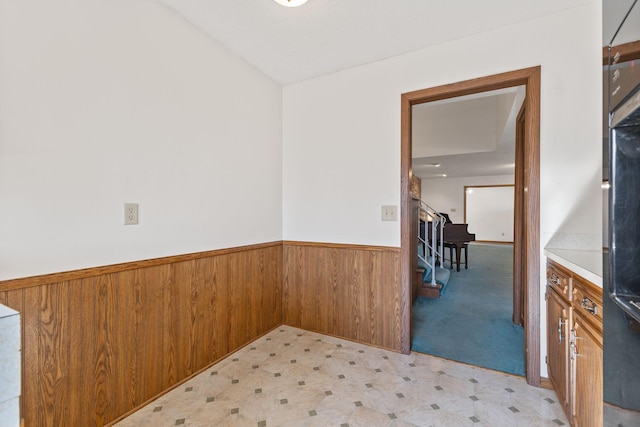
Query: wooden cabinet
point(574, 344)
point(558, 346)
point(587, 374)
point(586, 354)
point(559, 279)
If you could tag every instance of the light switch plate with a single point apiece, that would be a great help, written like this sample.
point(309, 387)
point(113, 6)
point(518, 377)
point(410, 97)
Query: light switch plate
point(130, 213)
point(390, 213)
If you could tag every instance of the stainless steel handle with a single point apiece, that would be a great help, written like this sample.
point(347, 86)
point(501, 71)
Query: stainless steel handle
point(574, 351)
point(589, 305)
point(555, 279)
point(560, 325)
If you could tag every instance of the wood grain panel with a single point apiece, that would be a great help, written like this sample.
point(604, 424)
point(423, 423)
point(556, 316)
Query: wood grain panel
point(96, 346)
point(31, 397)
point(222, 331)
point(103, 369)
point(201, 312)
point(350, 292)
point(149, 338)
point(180, 322)
point(83, 380)
point(587, 375)
point(53, 346)
point(558, 337)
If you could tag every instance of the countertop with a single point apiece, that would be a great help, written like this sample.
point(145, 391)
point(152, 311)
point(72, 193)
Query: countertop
point(587, 264)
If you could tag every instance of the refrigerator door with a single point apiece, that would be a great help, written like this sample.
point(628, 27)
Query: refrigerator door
point(624, 206)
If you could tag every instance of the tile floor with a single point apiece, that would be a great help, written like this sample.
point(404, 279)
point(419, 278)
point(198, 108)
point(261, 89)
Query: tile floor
point(619, 417)
point(292, 377)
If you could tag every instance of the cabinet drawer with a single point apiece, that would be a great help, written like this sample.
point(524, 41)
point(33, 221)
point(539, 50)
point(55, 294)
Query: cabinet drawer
point(587, 301)
point(559, 279)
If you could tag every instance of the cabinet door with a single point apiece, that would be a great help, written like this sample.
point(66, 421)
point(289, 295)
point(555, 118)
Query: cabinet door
point(558, 346)
point(586, 375)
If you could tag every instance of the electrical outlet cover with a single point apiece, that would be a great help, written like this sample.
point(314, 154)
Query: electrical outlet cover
point(130, 213)
point(390, 213)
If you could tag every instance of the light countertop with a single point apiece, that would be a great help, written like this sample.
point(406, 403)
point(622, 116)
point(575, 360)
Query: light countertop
point(587, 264)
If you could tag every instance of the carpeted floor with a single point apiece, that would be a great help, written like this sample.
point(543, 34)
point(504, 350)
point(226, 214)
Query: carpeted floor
point(472, 322)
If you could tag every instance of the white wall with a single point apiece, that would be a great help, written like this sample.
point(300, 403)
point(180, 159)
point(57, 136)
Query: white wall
point(489, 212)
point(340, 127)
point(447, 194)
point(122, 101)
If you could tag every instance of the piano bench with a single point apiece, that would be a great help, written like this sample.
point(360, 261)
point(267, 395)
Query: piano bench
point(453, 246)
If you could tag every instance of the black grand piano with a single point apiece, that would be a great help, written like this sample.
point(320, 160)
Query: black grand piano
point(456, 237)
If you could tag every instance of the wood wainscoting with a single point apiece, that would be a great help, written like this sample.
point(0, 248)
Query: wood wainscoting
point(348, 291)
point(98, 343)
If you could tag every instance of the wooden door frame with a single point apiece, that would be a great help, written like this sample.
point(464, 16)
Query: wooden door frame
point(530, 78)
point(519, 274)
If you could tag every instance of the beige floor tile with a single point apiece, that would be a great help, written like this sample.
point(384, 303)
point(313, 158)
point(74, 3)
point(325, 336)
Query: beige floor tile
point(292, 377)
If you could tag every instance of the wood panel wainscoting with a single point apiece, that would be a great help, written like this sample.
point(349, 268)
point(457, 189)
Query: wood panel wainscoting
point(348, 291)
point(98, 343)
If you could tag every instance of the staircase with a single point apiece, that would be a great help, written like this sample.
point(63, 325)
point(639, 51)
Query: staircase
point(430, 252)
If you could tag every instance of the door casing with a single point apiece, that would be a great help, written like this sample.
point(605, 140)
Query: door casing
point(530, 190)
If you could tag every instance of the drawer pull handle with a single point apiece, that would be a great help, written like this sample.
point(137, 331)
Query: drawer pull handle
point(555, 279)
point(573, 351)
point(589, 305)
point(560, 324)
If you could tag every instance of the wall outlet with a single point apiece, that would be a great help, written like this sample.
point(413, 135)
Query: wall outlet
point(130, 213)
point(390, 213)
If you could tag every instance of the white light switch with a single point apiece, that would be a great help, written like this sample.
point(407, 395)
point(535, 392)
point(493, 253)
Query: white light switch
point(390, 213)
point(130, 213)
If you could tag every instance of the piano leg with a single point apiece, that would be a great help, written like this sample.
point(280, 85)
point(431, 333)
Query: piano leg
point(458, 254)
point(466, 256)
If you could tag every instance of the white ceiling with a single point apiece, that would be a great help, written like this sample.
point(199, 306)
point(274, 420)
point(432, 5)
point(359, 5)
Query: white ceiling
point(324, 36)
point(466, 136)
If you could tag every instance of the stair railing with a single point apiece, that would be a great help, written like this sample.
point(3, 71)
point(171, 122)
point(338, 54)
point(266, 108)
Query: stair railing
point(433, 248)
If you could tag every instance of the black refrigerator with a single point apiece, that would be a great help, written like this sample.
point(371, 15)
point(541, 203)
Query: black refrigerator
point(622, 262)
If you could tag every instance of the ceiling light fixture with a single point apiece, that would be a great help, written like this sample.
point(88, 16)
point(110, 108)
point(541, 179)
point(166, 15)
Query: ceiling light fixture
point(291, 3)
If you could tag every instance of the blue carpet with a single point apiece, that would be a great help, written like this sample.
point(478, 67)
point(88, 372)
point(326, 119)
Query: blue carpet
point(472, 321)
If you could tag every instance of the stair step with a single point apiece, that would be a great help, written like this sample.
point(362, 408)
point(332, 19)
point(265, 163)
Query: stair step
point(442, 279)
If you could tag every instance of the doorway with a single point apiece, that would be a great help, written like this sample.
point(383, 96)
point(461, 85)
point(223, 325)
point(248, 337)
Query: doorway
point(526, 237)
